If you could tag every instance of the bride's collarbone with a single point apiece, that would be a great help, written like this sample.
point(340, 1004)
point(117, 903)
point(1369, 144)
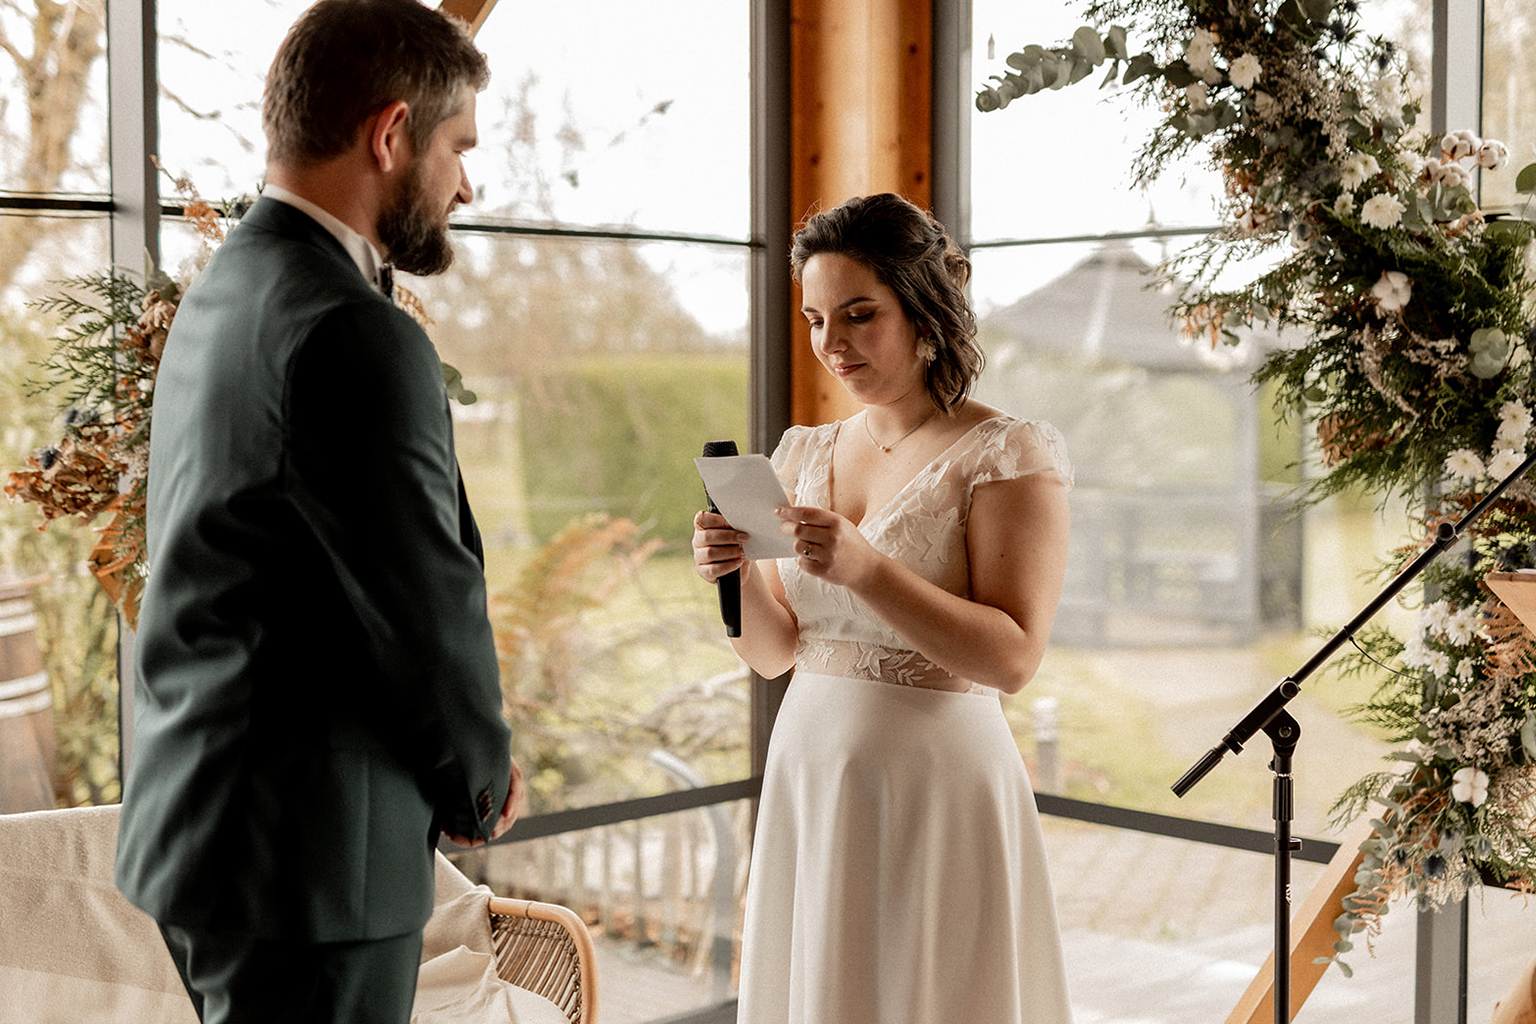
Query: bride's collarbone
point(863, 481)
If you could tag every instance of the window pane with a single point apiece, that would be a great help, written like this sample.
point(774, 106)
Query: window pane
point(1059, 163)
point(53, 116)
point(632, 124)
point(600, 369)
point(617, 113)
point(1185, 583)
point(1509, 94)
point(213, 62)
point(58, 679)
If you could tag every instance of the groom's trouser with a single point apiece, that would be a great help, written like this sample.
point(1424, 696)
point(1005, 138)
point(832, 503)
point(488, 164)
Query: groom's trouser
point(237, 979)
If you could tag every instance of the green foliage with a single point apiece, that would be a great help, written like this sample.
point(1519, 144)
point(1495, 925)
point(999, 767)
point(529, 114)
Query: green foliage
point(619, 435)
point(585, 634)
point(77, 627)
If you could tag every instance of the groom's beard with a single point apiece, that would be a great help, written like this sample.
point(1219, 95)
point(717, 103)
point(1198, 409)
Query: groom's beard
point(415, 240)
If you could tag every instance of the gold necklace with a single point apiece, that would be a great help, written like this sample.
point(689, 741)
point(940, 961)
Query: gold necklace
point(903, 437)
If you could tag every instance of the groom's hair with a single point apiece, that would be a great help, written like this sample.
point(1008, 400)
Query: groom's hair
point(345, 60)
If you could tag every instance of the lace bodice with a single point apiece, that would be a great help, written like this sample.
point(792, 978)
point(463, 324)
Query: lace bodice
point(922, 526)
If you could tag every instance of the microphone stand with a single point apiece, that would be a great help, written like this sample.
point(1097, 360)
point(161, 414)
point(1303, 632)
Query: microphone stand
point(1269, 714)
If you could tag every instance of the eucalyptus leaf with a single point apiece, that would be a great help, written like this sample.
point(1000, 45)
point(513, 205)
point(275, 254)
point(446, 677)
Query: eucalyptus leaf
point(1140, 66)
point(1525, 181)
point(1114, 72)
point(1081, 69)
point(1178, 74)
point(1513, 231)
point(1317, 10)
point(1063, 71)
point(1087, 44)
point(1114, 43)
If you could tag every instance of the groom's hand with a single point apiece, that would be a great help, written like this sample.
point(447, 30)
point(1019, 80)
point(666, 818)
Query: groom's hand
point(516, 794)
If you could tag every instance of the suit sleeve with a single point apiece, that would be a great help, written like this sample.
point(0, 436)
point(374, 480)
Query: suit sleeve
point(372, 466)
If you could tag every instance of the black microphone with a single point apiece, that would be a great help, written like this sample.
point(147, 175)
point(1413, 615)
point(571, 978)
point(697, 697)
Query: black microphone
point(729, 584)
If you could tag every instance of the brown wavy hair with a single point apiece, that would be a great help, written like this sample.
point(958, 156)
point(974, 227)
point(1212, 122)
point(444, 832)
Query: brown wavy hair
point(345, 60)
point(911, 254)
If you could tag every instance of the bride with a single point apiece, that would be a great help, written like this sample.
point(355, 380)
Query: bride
point(898, 874)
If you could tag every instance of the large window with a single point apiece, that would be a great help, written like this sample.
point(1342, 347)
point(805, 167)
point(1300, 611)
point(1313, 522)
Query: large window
point(1190, 591)
point(58, 698)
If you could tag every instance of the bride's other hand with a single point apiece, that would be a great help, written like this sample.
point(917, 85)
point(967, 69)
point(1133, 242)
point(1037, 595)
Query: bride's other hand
point(829, 546)
point(717, 548)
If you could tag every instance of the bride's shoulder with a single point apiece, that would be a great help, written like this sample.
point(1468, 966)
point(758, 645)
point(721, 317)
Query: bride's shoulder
point(1009, 447)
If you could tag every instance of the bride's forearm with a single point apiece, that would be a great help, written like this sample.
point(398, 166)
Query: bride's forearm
point(768, 630)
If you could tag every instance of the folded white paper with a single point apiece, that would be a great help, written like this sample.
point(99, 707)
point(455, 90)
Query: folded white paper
point(746, 490)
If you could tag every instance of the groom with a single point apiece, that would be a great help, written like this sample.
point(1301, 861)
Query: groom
point(318, 688)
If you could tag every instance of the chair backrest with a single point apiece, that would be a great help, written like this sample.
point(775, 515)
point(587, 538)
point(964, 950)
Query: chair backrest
point(546, 949)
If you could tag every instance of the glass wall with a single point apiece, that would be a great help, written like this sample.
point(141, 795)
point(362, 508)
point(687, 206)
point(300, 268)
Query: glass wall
point(597, 311)
point(58, 697)
point(1191, 588)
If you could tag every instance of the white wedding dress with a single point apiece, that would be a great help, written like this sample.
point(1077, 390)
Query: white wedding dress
point(898, 872)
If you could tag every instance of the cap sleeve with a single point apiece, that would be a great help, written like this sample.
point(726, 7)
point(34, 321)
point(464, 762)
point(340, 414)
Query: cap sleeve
point(1020, 448)
point(788, 458)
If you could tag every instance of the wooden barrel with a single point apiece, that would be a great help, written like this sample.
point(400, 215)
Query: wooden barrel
point(26, 706)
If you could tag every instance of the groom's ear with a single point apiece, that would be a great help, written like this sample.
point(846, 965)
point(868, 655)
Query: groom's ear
point(388, 143)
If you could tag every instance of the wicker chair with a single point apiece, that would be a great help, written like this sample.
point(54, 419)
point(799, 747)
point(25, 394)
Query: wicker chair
point(546, 949)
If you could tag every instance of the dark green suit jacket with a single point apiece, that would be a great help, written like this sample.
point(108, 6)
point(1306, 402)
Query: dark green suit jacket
point(318, 691)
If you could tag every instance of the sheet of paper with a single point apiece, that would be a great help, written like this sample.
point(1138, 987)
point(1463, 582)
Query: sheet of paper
point(746, 490)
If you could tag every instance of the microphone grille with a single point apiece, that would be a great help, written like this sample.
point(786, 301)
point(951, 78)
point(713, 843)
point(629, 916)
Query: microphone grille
point(717, 449)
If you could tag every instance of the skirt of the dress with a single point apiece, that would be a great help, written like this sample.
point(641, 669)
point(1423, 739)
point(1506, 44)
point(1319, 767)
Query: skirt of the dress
point(898, 872)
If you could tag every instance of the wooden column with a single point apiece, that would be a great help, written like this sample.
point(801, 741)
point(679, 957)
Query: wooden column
point(860, 122)
point(474, 12)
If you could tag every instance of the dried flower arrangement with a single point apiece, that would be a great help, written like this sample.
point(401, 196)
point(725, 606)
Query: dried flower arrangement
point(103, 368)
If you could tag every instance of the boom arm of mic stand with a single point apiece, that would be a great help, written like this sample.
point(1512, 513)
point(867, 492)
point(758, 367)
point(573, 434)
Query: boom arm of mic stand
point(1446, 534)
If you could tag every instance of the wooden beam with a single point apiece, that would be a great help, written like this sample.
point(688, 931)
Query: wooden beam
point(860, 122)
point(472, 12)
point(1312, 935)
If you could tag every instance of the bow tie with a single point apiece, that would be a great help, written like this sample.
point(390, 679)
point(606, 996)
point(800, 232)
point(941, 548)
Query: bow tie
point(387, 281)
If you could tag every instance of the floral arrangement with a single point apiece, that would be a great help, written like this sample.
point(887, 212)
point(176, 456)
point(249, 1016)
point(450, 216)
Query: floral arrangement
point(103, 366)
point(1411, 313)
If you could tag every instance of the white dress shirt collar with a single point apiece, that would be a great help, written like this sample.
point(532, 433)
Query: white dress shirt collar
point(362, 251)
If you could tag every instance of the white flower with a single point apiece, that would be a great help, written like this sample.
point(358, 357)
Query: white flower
point(1470, 786)
point(1245, 71)
point(1198, 94)
point(1394, 289)
point(1388, 93)
point(1344, 205)
point(1461, 627)
point(1413, 162)
point(1460, 144)
point(1504, 462)
point(1465, 670)
point(1358, 169)
point(1514, 424)
point(1464, 465)
point(1198, 55)
point(1446, 172)
point(1415, 653)
point(1383, 212)
point(1265, 105)
point(1439, 664)
point(1492, 155)
point(1435, 618)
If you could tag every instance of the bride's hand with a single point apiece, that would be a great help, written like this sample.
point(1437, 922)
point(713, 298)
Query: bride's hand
point(716, 547)
point(829, 546)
